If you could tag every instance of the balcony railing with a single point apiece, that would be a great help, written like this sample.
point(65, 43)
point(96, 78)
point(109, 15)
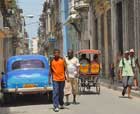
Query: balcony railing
point(81, 4)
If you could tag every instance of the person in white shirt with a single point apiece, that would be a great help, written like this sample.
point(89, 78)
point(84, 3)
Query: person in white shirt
point(73, 69)
point(134, 60)
point(126, 73)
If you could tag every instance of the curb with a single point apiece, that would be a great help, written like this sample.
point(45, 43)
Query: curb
point(116, 88)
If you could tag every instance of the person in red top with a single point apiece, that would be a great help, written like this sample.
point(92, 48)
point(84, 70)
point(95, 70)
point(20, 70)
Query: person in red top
point(58, 70)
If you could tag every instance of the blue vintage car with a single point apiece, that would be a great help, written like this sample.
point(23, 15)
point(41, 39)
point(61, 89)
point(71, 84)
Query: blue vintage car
point(26, 74)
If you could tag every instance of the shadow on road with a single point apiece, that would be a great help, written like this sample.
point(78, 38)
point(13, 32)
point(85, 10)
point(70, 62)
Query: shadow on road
point(4, 110)
point(123, 97)
point(88, 93)
point(27, 100)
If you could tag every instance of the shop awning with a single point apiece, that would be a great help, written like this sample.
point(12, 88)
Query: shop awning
point(89, 51)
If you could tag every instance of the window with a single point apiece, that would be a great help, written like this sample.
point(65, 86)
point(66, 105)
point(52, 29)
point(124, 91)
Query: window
point(28, 64)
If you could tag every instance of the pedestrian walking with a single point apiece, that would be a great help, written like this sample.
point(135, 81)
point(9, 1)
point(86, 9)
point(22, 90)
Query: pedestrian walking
point(119, 58)
point(126, 73)
point(112, 73)
point(73, 69)
point(134, 60)
point(58, 70)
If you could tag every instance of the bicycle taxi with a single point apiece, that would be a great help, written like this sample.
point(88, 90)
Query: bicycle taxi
point(89, 72)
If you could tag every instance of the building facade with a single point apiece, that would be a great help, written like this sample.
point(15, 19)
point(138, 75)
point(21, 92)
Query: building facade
point(111, 26)
point(116, 27)
point(9, 30)
point(126, 24)
point(34, 45)
point(50, 32)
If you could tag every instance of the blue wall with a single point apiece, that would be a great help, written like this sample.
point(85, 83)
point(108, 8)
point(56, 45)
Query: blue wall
point(64, 15)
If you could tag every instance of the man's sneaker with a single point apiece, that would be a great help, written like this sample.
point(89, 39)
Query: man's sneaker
point(124, 91)
point(67, 103)
point(61, 107)
point(75, 103)
point(56, 109)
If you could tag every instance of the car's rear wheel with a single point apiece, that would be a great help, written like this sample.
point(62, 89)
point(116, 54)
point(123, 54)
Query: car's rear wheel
point(1, 99)
point(50, 96)
point(6, 98)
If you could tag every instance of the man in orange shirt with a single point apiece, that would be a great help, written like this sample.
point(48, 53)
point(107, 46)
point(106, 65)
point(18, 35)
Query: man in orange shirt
point(58, 69)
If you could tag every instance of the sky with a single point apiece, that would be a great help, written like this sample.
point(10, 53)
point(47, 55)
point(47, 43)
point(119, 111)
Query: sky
point(31, 7)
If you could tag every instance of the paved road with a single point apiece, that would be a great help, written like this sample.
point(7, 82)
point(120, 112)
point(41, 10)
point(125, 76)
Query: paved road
point(109, 102)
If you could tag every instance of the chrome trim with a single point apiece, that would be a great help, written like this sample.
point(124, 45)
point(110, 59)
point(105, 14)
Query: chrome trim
point(24, 90)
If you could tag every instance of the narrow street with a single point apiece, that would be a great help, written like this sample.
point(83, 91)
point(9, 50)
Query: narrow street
point(109, 102)
point(46, 43)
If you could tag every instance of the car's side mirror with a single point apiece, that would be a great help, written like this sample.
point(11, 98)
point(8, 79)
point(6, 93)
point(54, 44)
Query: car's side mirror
point(2, 73)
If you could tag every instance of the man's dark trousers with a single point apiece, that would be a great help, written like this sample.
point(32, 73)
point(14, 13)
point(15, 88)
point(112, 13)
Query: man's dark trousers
point(58, 93)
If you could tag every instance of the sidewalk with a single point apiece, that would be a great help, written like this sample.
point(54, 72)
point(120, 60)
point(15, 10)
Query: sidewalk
point(118, 86)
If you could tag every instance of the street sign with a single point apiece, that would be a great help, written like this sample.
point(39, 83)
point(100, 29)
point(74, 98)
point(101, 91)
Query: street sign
point(52, 39)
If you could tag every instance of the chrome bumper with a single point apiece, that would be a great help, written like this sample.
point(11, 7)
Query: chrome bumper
point(28, 90)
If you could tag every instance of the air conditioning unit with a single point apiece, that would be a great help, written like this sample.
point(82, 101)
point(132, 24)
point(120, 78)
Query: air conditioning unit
point(81, 5)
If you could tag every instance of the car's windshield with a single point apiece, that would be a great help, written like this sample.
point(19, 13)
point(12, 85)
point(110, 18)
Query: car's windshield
point(23, 64)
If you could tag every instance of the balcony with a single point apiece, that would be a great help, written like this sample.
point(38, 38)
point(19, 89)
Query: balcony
point(81, 5)
point(72, 18)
